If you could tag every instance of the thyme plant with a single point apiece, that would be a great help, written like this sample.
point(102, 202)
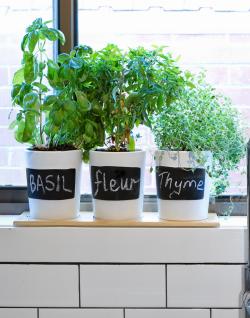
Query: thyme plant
point(202, 120)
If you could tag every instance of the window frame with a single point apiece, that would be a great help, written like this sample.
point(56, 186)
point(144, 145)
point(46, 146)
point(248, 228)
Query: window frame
point(14, 199)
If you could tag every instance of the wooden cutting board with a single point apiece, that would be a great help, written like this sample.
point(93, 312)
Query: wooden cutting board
point(86, 219)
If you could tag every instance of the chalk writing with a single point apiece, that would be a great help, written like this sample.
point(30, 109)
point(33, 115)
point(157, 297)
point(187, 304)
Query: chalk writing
point(180, 183)
point(115, 183)
point(51, 184)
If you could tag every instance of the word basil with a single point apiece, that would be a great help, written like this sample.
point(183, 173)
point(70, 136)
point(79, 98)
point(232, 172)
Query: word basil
point(52, 184)
point(115, 183)
point(180, 183)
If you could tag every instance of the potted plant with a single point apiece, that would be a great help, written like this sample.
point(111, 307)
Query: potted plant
point(52, 124)
point(199, 137)
point(127, 88)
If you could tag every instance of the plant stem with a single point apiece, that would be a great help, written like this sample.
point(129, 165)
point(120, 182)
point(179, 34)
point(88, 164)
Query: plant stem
point(40, 100)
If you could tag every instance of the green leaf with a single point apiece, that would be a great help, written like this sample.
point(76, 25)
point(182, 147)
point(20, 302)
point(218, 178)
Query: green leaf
point(30, 100)
point(41, 86)
point(30, 68)
point(61, 37)
point(19, 131)
point(41, 67)
point(83, 101)
point(15, 90)
point(69, 106)
point(24, 42)
point(52, 70)
point(48, 21)
point(33, 38)
point(18, 77)
point(76, 63)
point(57, 117)
point(62, 58)
point(89, 129)
point(131, 145)
point(30, 126)
point(49, 100)
point(37, 23)
point(50, 34)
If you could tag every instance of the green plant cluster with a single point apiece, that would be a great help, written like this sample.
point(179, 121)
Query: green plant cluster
point(52, 107)
point(129, 87)
point(29, 89)
point(89, 98)
point(203, 120)
point(93, 98)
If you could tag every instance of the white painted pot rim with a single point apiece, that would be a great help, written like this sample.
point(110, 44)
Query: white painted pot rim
point(183, 151)
point(52, 151)
point(117, 153)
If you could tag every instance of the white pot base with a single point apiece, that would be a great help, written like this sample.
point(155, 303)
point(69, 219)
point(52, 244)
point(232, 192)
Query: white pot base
point(117, 210)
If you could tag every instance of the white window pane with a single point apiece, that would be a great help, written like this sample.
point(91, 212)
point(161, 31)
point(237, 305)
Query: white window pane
point(15, 16)
point(205, 33)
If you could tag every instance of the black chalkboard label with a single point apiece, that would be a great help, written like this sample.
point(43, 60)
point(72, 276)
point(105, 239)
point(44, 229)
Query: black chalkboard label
point(115, 183)
point(180, 183)
point(51, 184)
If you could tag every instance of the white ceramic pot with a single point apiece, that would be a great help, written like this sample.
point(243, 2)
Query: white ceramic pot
point(117, 180)
point(53, 181)
point(183, 185)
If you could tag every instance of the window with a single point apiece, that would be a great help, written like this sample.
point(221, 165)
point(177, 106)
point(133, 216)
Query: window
point(214, 35)
point(15, 16)
point(210, 34)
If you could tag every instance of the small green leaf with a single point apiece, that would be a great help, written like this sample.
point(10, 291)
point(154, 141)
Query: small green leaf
point(19, 131)
point(61, 37)
point(18, 77)
point(89, 129)
point(83, 101)
point(69, 106)
point(62, 58)
point(30, 126)
point(49, 100)
point(57, 117)
point(52, 70)
point(50, 34)
point(30, 68)
point(131, 145)
point(24, 42)
point(30, 100)
point(76, 63)
point(33, 38)
point(41, 86)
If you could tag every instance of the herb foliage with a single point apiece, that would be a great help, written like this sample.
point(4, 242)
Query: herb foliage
point(53, 109)
point(202, 120)
point(128, 87)
point(29, 87)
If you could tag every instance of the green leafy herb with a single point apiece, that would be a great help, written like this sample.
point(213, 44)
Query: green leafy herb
point(29, 84)
point(202, 120)
point(55, 107)
point(126, 88)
